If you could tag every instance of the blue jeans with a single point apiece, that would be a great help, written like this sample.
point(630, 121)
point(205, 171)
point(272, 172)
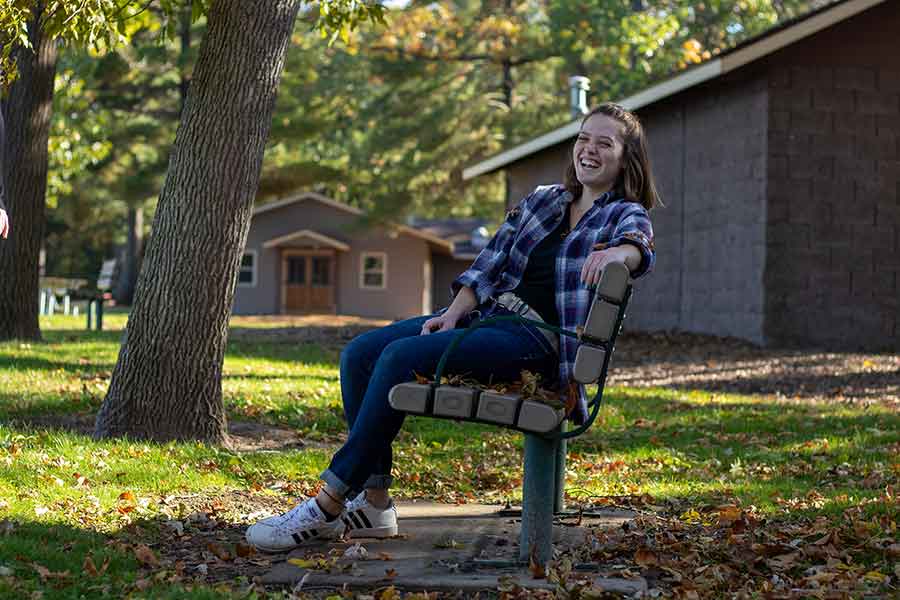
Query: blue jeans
point(376, 361)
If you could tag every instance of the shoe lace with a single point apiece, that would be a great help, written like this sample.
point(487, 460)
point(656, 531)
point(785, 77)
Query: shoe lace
point(299, 514)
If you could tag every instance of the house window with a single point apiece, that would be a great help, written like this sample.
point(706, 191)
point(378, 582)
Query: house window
point(373, 274)
point(247, 272)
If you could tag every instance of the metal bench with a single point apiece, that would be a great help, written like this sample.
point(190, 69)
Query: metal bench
point(542, 424)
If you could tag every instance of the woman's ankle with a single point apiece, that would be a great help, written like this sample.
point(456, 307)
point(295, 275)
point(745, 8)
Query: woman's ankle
point(330, 503)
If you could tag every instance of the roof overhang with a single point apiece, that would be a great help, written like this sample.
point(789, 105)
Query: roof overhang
point(433, 239)
point(727, 62)
point(307, 234)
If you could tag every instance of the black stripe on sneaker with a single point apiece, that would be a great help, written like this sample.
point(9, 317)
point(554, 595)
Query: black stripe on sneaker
point(355, 519)
point(347, 522)
point(365, 519)
point(297, 538)
point(305, 534)
point(314, 533)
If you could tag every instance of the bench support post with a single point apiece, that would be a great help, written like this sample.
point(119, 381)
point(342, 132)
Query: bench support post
point(538, 491)
point(559, 499)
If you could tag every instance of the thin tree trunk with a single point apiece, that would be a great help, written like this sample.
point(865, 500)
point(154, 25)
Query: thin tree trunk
point(167, 382)
point(27, 113)
point(127, 279)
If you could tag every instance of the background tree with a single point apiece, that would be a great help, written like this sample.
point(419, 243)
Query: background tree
point(29, 35)
point(167, 381)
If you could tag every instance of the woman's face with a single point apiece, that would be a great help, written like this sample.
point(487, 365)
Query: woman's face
point(598, 153)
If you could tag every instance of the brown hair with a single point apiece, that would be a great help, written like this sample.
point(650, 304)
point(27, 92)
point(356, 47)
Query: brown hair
point(636, 179)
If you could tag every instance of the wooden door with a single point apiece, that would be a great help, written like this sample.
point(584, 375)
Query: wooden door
point(308, 281)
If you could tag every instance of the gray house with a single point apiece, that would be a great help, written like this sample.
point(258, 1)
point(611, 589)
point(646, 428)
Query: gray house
point(311, 254)
point(779, 165)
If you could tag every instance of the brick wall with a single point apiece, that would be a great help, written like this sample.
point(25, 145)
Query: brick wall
point(721, 153)
point(834, 171)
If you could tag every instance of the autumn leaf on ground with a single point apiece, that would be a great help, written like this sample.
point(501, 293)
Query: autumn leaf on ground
point(127, 497)
point(146, 556)
point(46, 573)
point(390, 573)
point(220, 552)
point(729, 514)
point(302, 563)
point(91, 569)
point(645, 557)
point(537, 569)
point(244, 550)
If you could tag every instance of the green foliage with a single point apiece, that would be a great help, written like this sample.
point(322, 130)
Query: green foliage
point(386, 116)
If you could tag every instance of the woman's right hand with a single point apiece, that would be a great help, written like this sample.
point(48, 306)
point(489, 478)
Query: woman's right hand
point(444, 322)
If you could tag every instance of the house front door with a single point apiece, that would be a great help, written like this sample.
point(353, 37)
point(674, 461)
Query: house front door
point(307, 281)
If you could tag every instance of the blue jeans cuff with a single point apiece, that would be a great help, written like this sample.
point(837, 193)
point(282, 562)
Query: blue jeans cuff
point(335, 483)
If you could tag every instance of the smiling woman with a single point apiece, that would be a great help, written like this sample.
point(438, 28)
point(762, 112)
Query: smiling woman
point(544, 260)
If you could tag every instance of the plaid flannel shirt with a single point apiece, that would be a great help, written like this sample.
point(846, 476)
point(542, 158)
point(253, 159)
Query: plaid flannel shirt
point(499, 268)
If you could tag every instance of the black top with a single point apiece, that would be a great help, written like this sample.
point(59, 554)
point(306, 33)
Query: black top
point(538, 285)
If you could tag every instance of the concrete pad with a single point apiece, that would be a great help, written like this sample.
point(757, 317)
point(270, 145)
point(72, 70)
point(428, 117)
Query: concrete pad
point(439, 548)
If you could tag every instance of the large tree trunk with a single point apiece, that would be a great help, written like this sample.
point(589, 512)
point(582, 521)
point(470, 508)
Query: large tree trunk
point(27, 112)
point(167, 382)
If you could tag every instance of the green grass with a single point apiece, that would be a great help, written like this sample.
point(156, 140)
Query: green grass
point(63, 492)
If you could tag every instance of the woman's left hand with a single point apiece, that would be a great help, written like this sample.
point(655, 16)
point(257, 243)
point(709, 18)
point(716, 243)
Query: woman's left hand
point(597, 260)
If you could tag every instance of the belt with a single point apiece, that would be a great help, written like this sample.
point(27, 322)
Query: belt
point(515, 304)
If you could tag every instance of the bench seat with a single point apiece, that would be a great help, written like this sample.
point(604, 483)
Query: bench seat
point(511, 410)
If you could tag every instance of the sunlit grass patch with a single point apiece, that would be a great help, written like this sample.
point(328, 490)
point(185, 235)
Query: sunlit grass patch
point(685, 452)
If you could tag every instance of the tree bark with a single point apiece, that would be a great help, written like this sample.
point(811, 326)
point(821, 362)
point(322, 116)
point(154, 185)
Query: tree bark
point(27, 111)
point(167, 382)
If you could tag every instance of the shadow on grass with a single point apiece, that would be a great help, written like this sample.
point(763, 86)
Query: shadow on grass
point(145, 557)
point(35, 363)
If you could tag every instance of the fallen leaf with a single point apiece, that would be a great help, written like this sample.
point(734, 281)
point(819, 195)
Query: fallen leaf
point(390, 574)
point(645, 557)
point(534, 565)
point(244, 550)
point(356, 552)
point(46, 573)
point(220, 552)
point(89, 567)
point(729, 514)
point(303, 563)
point(146, 556)
point(127, 497)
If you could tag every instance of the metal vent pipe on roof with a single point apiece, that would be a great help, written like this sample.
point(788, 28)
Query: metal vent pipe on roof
point(578, 88)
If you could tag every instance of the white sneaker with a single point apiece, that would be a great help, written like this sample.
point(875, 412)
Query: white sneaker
point(362, 519)
point(304, 522)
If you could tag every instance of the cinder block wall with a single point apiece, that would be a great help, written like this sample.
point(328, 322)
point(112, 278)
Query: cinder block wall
point(834, 172)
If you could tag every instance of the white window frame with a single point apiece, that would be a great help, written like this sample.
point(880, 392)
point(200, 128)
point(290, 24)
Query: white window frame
point(253, 269)
point(362, 270)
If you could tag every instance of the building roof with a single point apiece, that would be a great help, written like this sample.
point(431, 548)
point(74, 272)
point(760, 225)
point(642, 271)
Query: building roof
point(749, 51)
point(449, 229)
point(307, 234)
point(315, 196)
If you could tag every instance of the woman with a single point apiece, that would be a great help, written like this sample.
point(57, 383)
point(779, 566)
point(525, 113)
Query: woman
point(541, 263)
